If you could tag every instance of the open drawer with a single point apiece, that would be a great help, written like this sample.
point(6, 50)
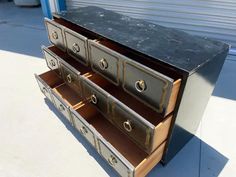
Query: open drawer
point(58, 92)
point(143, 125)
point(126, 158)
point(157, 90)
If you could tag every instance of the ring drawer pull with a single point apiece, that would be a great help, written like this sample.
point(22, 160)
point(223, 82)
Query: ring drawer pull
point(54, 35)
point(44, 90)
point(61, 107)
point(112, 160)
point(103, 64)
point(83, 130)
point(52, 63)
point(69, 78)
point(75, 48)
point(94, 99)
point(140, 85)
point(127, 126)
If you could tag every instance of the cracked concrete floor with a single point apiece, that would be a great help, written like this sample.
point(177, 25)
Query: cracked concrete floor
point(35, 140)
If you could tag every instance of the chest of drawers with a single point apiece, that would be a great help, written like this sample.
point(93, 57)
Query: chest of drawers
point(135, 90)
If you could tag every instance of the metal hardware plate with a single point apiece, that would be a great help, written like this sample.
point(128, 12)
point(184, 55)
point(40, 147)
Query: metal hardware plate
point(82, 128)
point(61, 106)
point(114, 160)
point(150, 87)
point(104, 62)
point(77, 46)
point(55, 33)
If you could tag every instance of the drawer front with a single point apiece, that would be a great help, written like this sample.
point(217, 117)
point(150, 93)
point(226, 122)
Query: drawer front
point(131, 124)
point(44, 87)
point(147, 85)
point(55, 33)
point(95, 95)
point(82, 128)
point(104, 62)
point(61, 106)
point(71, 76)
point(114, 160)
point(77, 46)
point(51, 60)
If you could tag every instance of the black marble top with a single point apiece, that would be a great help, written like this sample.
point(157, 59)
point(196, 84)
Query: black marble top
point(177, 48)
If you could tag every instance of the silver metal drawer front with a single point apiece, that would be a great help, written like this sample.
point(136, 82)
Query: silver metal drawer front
point(147, 85)
point(71, 76)
point(51, 60)
point(132, 124)
point(82, 128)
point(77, 46)
point(44, 87)
point(55, 33)
point(114, 160)
point(61, 106)
point(104, 62)
point(95, 95)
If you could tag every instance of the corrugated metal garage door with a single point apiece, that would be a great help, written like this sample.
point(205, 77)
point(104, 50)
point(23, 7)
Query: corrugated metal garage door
point(211, 18)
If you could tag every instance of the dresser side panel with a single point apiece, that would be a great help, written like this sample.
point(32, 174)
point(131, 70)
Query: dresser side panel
point(197, 92)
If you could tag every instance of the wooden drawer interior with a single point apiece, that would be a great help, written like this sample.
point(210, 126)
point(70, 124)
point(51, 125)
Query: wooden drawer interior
point(57, 84)
point(141, 161)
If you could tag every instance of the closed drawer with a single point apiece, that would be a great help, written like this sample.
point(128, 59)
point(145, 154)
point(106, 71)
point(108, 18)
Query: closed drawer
point(154, 89)
point(77, 46)
point(104, 61)
point(83, 127)
point(71, 76)
point(55, 33)
point(51, 60)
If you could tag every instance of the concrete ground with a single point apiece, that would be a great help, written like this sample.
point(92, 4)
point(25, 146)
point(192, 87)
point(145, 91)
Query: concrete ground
point(35, 140)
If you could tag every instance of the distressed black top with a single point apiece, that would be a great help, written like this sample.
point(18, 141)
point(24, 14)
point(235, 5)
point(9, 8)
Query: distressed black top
point(177, 48)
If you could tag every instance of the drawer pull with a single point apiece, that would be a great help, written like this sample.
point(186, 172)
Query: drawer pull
point(112, 160)
point(69, 78)
point(83, 130)
point(52, 63)
point(94, 99)
point(103, 64)
point(75, 48)
point(127, 126)
point(140, 85)
point(54, 35)
point(44, 90)
point(61, 107)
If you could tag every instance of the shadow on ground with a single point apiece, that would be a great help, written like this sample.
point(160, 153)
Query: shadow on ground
point(226, 81)
point(187, 163)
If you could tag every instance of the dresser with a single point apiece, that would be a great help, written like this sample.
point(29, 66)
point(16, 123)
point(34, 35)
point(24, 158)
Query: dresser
point(135, 90)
